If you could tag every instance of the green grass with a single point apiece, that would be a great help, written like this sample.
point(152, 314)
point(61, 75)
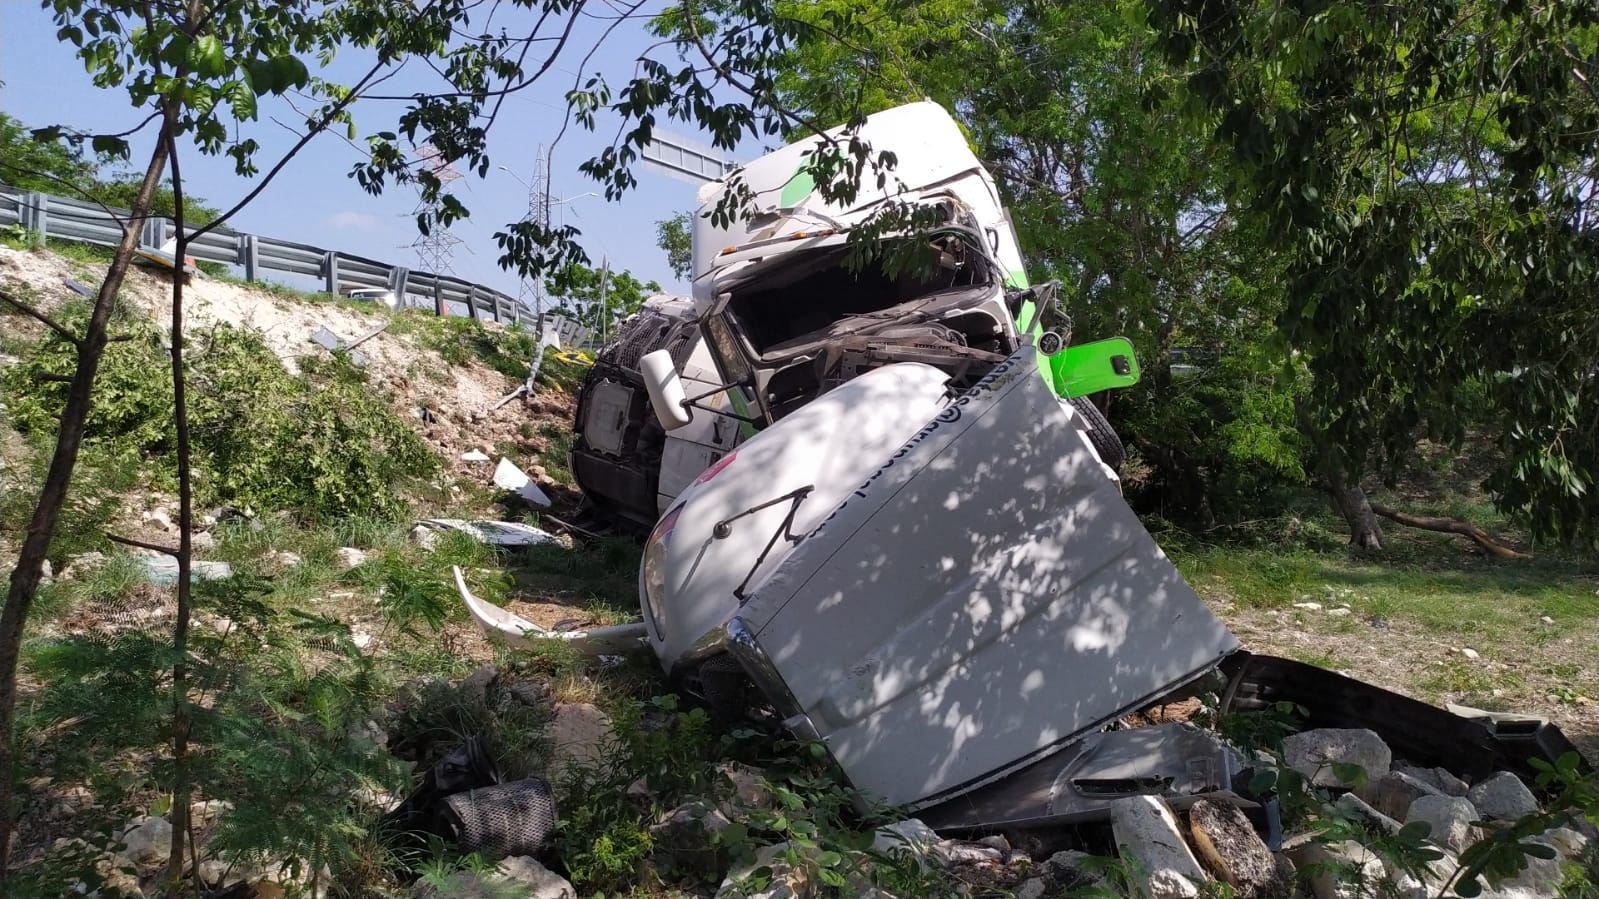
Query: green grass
point(556, 457)
point(1449, 592)
point(599, 577)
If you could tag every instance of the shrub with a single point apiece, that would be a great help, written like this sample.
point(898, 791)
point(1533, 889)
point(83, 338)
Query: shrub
point(322, 441)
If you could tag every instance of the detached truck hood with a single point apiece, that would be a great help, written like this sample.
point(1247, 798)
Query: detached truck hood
point(984, 598)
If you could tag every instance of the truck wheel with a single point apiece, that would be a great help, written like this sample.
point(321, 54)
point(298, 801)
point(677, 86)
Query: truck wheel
point(1100, 434)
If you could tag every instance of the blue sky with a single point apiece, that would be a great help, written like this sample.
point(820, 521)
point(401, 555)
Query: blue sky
point(314, 201)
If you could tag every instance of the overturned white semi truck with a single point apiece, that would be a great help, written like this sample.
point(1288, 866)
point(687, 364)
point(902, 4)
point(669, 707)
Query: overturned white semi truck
point(779, 316)
point(884, 520)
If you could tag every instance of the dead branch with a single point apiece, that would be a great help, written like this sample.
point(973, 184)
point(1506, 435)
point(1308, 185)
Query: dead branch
point(40, 317)
point(140, 544)
point(1490, 544)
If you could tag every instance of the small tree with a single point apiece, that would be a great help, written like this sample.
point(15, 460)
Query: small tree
point(674, 236)
point(197, 73)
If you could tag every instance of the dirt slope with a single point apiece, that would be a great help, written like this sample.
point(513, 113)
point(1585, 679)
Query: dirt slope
point(460, 398)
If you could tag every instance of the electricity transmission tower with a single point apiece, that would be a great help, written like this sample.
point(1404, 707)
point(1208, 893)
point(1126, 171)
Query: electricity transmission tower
point(531, 290)
point(435, 248)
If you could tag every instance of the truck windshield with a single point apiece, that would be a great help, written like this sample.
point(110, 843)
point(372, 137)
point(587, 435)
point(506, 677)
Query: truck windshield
point(818, 289)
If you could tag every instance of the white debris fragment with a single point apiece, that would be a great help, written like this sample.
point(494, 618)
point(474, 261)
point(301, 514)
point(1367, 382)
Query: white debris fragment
point(474, 455)
point(509, 477)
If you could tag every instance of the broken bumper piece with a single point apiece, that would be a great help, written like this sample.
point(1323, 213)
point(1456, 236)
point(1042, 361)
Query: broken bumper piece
point(513, 630)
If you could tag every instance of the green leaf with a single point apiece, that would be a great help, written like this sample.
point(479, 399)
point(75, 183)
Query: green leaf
point(242, 99)
point(1414, 832)
point(207, 57)
point(108, 145)
point(261, 76)
point(289, 72)
point(1349, 772)
point(1538, 850)
point(829, 859)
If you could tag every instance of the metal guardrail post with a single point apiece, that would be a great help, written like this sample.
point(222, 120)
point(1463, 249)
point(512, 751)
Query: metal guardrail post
point(438, 297)
point(250, 256)
point(471, 303)
point(330, 266)
point(36, 217)
point(398, 276)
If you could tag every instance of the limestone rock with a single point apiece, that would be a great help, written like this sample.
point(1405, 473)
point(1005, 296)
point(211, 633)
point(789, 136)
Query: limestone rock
point(1408, 886)
point(1503, 797)
point(519, 876)
point(1230, 848)
point(147, 842)
point(349, 557)
point(1540, 879)
point(1344, 870)
point(1313, 752)
point(1147, 834)
point(1450, 818)
point(581, 735)
point(1073, 870)
point(1441, 779)
point(745, 784)
point(683, 840)
point(424, 536)
point(1571, 843)
point(1362, 809)
point(1393, 793)
point(1032, 888)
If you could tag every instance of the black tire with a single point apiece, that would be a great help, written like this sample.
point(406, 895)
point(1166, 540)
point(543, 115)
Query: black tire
point(1101, 434)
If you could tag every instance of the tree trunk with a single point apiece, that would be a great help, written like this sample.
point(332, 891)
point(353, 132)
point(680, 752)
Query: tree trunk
point(182, 720)
point(1364, 530)
point(24, 583)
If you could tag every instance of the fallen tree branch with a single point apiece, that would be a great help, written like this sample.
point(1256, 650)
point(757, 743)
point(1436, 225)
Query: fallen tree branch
point(40, 317)
point(1490, 544)
point(140, 544)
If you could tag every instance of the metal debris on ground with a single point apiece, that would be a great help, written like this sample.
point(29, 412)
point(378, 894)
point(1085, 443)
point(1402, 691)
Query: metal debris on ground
point(333, 342)
point(508, 476)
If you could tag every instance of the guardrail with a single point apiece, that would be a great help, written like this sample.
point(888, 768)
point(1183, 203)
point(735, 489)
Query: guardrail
point(86, 222)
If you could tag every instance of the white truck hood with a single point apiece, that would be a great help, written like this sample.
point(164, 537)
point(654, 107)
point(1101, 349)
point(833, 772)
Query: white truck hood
point(829, 445)
point(983, 598)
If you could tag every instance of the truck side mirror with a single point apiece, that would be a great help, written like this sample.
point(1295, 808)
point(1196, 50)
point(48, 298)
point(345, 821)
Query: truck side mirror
point(665, 389)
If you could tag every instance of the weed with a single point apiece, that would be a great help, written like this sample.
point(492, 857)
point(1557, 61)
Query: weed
point(557, 454)
point(1457, 677)
point(459, 340)
point(1259, 729)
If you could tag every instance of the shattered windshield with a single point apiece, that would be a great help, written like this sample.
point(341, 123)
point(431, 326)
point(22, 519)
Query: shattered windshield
point(818, 289)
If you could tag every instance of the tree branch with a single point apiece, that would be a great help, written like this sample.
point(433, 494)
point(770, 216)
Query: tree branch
point(40, 317)
point(140, 544)
point(1492, 545)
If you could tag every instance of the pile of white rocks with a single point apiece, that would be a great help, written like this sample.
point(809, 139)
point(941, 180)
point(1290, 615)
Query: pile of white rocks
point(1172, 856)
point(1188, 852)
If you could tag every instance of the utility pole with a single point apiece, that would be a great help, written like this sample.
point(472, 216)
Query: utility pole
point(605, 312)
